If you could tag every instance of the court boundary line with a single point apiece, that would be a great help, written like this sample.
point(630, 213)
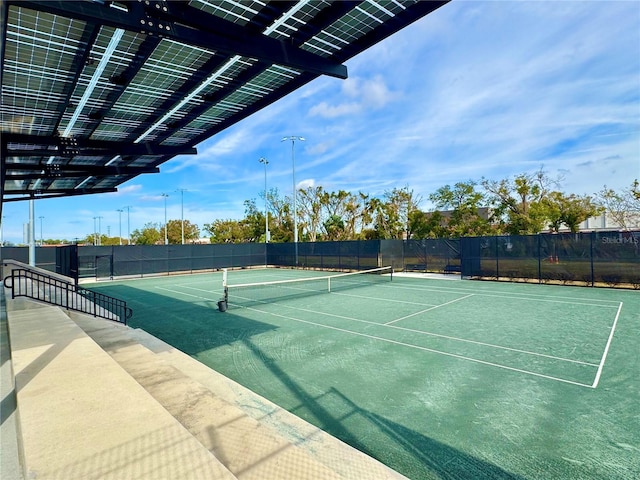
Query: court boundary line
point(390, 324)
point(520, 296)
point(431, 334)
point(431, 350)
point(606, 348)
point(428, 309)
point(184, 293)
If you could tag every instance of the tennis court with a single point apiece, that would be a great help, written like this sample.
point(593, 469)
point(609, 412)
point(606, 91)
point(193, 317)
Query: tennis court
point(435, 378)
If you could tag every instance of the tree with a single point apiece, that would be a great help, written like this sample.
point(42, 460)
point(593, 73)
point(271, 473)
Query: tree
point(227, 231)
point(334, 207)
point(253, 222)
point(389, 217)
point(104, 240)
point(355, 216)
point(570, 210)
point(334, 226)
point(622, 207)
point(465, 203)
point(150, 234)
point(280, 220)
point(516, 202)
point(427, 225)
point(309, 205)
point(383, 218)
point(174, 232)
point(401, 202)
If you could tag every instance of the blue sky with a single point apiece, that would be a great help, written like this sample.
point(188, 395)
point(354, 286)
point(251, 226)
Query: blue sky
point(476, 89)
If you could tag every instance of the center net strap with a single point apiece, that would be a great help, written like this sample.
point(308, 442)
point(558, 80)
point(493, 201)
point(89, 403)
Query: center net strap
point(248, 294)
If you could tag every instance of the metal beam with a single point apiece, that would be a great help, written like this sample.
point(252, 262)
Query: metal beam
point(3, 162)
point(403, 19)
point(56, 193)
point(326, 17)
point(195, 28)
point(70, 171)
point(203, 28)
point(83, 146)
point(4, 12)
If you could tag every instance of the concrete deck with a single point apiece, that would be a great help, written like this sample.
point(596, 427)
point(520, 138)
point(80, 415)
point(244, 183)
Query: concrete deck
point(96, 399)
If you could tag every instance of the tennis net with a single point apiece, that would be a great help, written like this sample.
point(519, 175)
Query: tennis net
point(248, 294)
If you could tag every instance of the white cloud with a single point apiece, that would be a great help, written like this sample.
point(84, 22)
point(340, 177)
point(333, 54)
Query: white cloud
point(367, 95)
point(323, 109)
point(126, 190)
point(307, 183)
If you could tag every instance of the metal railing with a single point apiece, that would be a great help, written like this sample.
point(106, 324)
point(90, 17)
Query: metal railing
point(51, 289)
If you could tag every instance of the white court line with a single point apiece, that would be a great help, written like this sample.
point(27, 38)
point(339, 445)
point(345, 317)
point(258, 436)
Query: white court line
point(183, 293)
point(389, 325)
point(421, 332)
point(606, 349)
point(428, 309)
point(462, 357)
point(516, 296)
point(386, 300)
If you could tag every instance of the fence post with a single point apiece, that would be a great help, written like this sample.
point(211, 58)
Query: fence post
point(495, 239)
point(539, 261)
point(591, 257)
point(426, 254)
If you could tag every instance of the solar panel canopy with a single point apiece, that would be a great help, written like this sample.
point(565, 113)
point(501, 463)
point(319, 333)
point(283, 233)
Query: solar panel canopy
point(97, 92)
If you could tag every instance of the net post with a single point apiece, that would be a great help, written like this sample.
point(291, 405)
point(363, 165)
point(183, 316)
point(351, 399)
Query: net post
point(329, 284)
point(224, 285)
point(222, 304)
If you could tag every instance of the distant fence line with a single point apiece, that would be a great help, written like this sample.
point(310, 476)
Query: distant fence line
point(592, 258)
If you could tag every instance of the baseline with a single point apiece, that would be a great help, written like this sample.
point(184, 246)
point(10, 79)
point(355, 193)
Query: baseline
point(426, 349)
point(606, 348)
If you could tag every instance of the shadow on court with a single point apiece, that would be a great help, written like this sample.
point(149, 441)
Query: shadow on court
point(198, 328)
point(403, 449)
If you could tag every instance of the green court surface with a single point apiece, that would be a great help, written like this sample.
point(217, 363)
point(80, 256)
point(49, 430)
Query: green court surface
point(435, 378)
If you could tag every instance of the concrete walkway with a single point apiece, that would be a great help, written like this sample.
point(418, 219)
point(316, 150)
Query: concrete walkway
point(10, 455)
point(98, 400)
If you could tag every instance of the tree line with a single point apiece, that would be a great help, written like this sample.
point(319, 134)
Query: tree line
point(528, 203)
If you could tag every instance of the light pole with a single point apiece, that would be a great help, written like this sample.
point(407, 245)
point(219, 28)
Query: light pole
point(293, 139)
point(182, 190)
point(128, 207)
point(41, 238)
point(120, 224)
point(266, 212)
point(166, 237)
point(95, 232)
point(99, 231)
